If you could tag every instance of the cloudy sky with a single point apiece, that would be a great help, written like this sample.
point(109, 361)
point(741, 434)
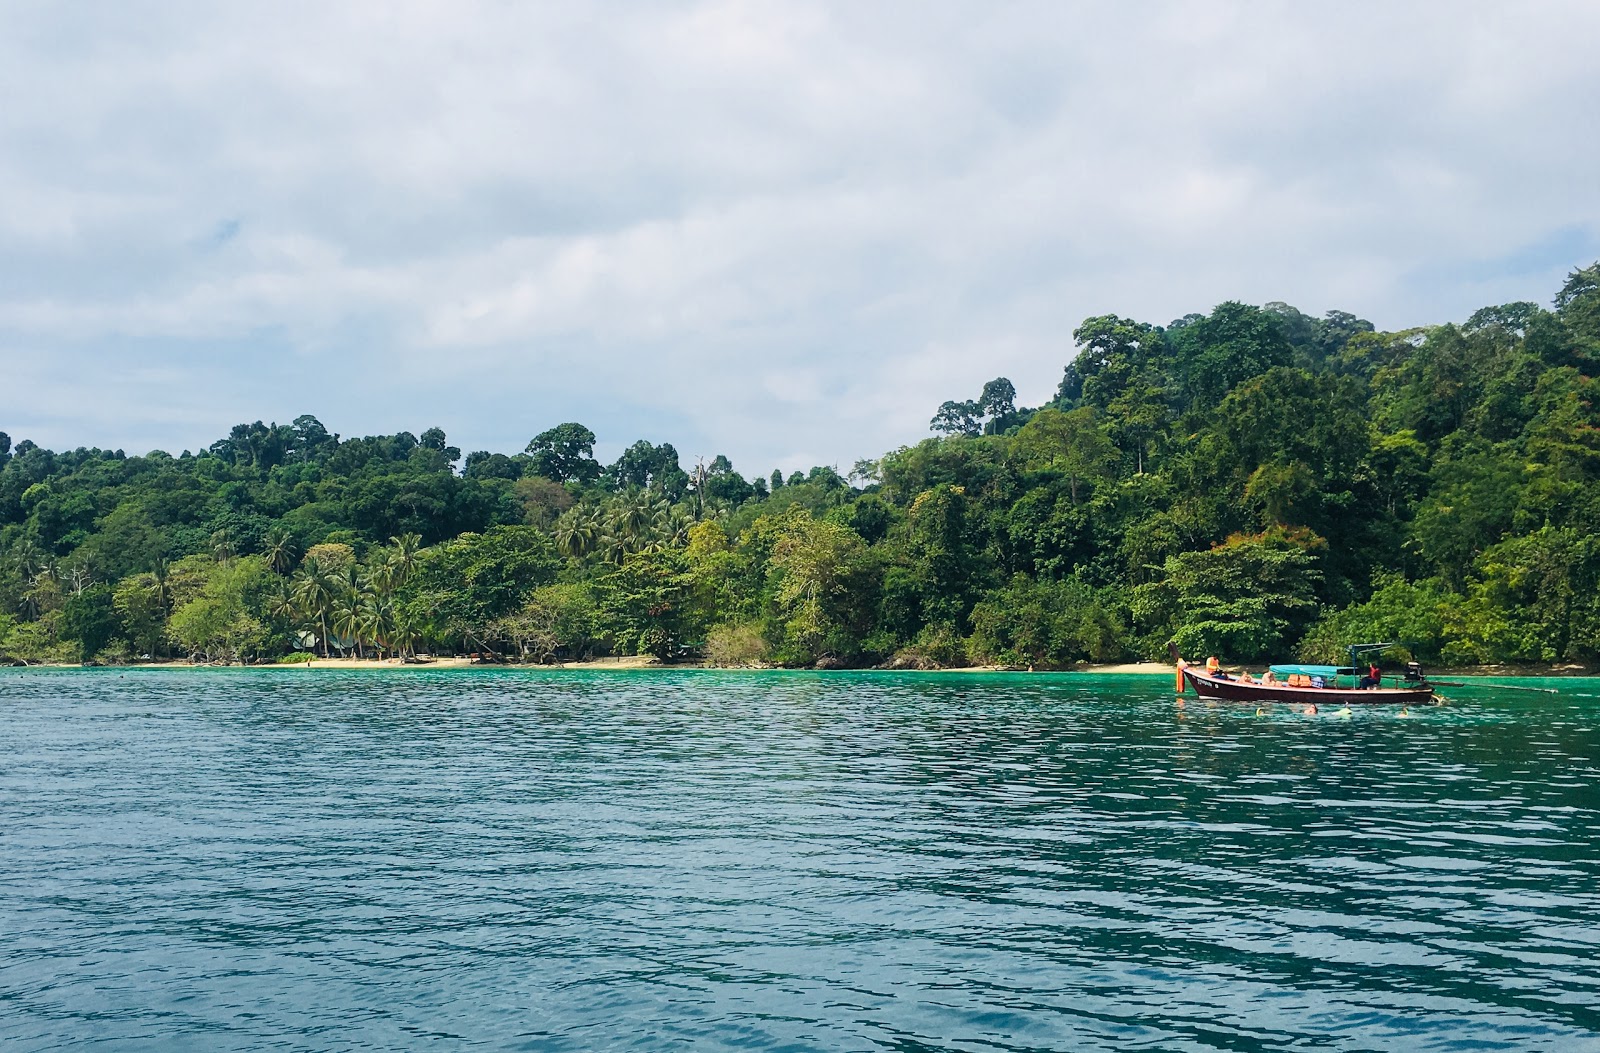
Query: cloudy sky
point(785, 232)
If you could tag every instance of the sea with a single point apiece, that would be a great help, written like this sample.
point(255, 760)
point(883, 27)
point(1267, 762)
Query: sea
point(500, 859)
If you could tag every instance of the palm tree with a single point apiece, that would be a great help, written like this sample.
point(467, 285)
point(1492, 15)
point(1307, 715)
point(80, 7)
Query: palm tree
point(28, 559)
point(379, 622)
point(283, 603)
point(315, 588)
point(223, 547)
point(281, 550)
point(404, 558)
point(675, 530)
point(613, 548)
point(160, 572)
point(350, 618)
point(577, 531)
point(630, 517)
point(404, 632)
point(382, 572)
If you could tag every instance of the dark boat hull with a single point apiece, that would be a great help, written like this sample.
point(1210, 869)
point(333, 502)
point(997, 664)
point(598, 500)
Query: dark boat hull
point(1238, 691)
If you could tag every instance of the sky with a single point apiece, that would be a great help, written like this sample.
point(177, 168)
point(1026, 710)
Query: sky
point(784, 232)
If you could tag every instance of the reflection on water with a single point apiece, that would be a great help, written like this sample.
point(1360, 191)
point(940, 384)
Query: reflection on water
point(288, 860)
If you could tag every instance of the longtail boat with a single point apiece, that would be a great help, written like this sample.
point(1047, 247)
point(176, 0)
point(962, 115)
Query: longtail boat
point(1337, 684)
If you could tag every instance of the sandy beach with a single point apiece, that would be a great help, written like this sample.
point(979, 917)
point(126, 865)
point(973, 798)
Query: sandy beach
point(627, 662)
point(624, 662)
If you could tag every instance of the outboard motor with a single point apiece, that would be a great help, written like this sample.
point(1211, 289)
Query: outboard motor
point(1414, 673)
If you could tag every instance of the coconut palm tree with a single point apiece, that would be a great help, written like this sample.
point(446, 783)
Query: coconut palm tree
point(28, 559)
point(315, 589)
point(281, 550)
point(629, 518)
point(577, 531)
point(674, 530)
point(404, 632)
point(613, 548)
point(404, 557)
point(223, 546)
point(350, 618)
point(378, 624)
point(160, 572)
point(382, 571)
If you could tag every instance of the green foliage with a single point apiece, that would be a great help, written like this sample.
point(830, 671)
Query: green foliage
point(461, 587)
point(1222, 350)
point(646, 604)
point(1052, 623)
point(87, 618)
point(38, 642)
point(736, 645)
point(565, 452)
point(222, 622)
point(1412, 614)
point(1070, 443)
point(557, 621)
point(1239, 598)
point(1248, 480)
point(824, 586)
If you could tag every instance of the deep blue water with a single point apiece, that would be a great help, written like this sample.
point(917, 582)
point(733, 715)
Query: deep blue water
point(309, 860)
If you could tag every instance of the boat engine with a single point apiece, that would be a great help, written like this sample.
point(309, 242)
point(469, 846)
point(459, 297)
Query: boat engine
point(1414, 673)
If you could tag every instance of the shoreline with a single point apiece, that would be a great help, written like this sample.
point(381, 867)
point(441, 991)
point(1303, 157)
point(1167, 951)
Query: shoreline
point(635, 662)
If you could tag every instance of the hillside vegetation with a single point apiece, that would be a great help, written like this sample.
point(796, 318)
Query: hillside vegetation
point(1252, 482)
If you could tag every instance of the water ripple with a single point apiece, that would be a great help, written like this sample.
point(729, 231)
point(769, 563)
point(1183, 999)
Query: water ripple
point(289, 860)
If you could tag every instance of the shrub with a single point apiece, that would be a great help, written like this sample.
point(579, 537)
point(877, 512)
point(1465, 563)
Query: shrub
point(735, 645)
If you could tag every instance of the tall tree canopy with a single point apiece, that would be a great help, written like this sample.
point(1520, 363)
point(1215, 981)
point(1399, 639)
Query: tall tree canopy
point(1254, 481)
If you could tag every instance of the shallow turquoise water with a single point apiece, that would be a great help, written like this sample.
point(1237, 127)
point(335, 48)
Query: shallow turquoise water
point(297, 860)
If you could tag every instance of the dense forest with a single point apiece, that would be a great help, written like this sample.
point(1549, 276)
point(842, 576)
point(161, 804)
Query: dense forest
point(1253, 483)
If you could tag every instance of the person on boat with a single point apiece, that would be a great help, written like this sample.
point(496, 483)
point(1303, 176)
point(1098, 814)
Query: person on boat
point(1213, 666)
point(1373, 677)
point(1246, 678)
point(1268, 677)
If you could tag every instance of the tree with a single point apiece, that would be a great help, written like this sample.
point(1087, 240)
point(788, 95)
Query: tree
point(646, 603)
point(140, 603)
point(434, 439)
point(999, 401)
point(1230, 345)
point(1054, 622)
point(481, 464)
point(89, 618)
point(1578, 304)
point(404, 559)
point(1071, 443)
point(466, 584)
point(1244, 599)
point(565, 452)
point(222, 622)
point(820, 568)
point(315, 588)
point(958, 418)
point(281, 550)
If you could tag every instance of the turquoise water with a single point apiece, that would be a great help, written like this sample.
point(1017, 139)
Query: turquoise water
point(298, 860)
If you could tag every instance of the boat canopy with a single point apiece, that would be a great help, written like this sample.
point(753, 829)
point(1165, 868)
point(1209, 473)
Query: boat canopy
point(1326, 671)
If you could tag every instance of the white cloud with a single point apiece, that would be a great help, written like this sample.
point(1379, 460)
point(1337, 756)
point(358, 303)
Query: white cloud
point(782, 231)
